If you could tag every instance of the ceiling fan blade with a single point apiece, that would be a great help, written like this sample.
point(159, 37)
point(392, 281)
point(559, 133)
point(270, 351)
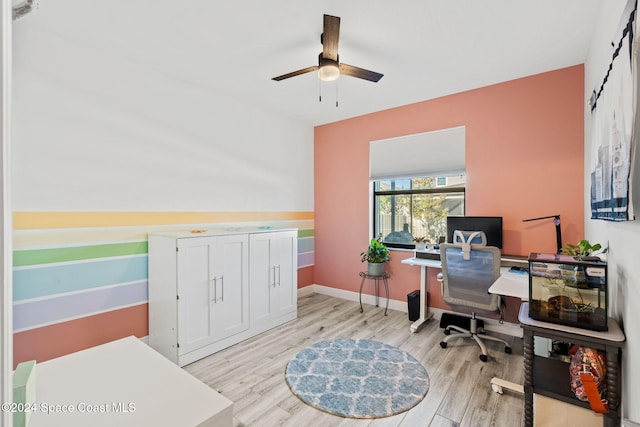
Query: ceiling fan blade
point(361, 73)
point(330, 35)
point(296, 73)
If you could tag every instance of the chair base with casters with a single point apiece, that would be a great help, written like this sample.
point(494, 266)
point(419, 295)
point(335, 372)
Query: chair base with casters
point(473, 333)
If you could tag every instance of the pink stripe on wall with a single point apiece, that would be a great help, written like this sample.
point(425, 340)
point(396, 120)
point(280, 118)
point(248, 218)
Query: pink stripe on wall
point(305, 276)
point(63, 338)
point(524, 157)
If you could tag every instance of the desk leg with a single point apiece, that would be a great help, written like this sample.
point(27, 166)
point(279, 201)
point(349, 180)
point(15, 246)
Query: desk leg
point(497, 384)
point(424, 310)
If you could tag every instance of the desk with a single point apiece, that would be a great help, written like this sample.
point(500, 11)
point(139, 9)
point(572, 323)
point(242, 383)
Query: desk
point(508, 284)
point(124, 383)
point(511, 285)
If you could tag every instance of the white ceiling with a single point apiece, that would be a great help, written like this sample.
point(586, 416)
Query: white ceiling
point(424, 48)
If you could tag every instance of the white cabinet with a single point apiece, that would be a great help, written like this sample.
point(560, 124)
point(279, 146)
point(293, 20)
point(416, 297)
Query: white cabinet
point(212, 290)
point(273, 272)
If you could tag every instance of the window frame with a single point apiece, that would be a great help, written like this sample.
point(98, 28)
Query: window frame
point(434, 190)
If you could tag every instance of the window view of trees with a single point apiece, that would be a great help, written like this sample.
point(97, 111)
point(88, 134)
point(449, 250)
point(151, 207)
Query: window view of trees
point(410, 208)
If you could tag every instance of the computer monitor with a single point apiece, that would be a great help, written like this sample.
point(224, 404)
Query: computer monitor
point(491, 225)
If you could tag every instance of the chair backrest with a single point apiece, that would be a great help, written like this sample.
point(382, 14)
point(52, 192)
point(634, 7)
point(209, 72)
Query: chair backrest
point(466, 282)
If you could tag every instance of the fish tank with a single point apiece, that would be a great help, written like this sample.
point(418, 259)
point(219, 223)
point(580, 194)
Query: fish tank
point(569, 291)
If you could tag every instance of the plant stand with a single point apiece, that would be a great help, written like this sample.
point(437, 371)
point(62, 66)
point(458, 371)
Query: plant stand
point(376, 279)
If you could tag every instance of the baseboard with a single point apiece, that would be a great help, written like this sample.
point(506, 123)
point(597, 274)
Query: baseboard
point(506, 328)
point(629, 423)
point(352, 296)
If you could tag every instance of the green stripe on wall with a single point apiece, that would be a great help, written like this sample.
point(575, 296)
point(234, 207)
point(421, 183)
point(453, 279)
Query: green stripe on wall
point(306, 233)
point(76, 253)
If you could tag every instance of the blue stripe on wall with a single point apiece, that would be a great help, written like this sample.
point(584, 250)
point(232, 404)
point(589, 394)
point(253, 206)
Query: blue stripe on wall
point(31, 314)
point(55, 279)
point(305, 244)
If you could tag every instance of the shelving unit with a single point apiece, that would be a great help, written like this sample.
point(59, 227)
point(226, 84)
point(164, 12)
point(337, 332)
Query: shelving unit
point(550, 377)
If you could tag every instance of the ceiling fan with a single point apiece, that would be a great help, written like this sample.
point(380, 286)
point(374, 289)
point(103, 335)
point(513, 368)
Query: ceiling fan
point(329, 67)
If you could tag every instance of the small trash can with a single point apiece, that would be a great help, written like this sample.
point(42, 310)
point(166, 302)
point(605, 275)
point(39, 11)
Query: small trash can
point(413, 304)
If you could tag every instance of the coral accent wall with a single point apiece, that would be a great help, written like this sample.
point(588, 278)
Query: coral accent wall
point(524, 159)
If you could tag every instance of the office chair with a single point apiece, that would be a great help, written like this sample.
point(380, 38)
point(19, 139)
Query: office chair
point(468, 270)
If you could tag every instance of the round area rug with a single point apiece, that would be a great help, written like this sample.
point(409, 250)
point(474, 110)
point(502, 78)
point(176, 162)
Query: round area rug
point(357, 378)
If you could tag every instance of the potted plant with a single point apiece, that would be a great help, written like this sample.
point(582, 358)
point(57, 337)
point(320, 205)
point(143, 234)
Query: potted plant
point(421, 243)
point(376, 255)
point(582, 250)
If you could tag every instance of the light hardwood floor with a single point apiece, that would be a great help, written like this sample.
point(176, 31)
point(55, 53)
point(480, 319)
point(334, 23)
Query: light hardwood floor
point(251, 373)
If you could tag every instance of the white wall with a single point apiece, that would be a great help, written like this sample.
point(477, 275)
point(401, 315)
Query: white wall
point(622, 238)
point(6, 280)
point(97, 128)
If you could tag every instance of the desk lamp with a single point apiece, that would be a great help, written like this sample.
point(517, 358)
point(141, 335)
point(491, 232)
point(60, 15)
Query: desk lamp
point(556, 221)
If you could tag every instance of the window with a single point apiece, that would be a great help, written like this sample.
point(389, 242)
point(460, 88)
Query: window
point(432, 165)
point(418, 207)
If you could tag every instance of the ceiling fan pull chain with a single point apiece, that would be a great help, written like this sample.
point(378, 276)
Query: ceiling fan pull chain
point(336, 94)
point(319, 90)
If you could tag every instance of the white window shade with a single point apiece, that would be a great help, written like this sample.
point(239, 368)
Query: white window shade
point(437, 153)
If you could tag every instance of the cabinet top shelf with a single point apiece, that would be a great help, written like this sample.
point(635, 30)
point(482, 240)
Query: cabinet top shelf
point(614, 334)
point(218, 231)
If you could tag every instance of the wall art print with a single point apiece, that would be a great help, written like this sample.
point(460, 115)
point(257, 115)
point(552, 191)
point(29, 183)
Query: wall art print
point(613, 109)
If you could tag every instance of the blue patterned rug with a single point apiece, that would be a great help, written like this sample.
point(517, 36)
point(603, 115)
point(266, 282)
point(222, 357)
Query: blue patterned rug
point(357, 378)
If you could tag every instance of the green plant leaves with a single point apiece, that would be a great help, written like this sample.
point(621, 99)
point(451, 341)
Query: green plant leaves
point(377, 252)
point(582, 248)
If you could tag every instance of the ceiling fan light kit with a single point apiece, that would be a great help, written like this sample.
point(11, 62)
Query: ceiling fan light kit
point(329, 67)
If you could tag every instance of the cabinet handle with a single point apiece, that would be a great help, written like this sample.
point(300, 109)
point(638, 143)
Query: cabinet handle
point(273, 281)
point(215, 290)
point(221, 289)
point(278, 274)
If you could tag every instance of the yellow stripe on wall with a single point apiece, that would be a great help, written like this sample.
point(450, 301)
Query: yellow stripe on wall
point(57, 220)
point(28, 239)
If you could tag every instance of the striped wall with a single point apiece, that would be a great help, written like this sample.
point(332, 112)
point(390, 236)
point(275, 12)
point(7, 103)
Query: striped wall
point(81, 279)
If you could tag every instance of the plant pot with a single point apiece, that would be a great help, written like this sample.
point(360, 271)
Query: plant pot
point(421, 246)
point(375, 268)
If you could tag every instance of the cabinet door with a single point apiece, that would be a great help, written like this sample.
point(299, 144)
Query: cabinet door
point(213, 295)
point(196, 292)
point(273, 271)
point(230, 303)
point(284, 258)
point(261, 276)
